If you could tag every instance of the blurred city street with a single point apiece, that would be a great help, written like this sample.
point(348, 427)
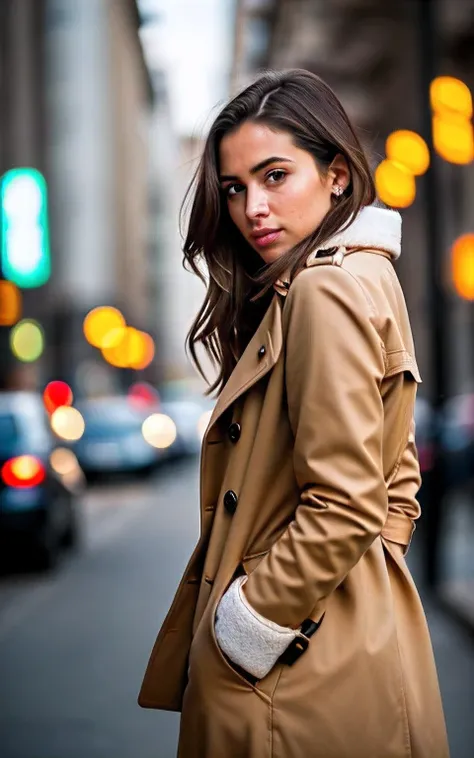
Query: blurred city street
point(74, 645)
point(105, 108)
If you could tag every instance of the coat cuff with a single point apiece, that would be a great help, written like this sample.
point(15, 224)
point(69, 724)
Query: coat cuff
point(250, 640)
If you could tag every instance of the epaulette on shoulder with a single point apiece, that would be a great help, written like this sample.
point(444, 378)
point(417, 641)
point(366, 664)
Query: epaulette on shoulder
point(333, 256)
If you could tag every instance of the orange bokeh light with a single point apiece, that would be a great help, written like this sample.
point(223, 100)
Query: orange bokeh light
point(395, 184)
point(10, 303)
point(135, 350)
point(100, 322)
point(462, 258)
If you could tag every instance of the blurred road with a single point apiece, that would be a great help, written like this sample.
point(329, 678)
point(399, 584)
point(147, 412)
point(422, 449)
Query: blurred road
point(73, 647)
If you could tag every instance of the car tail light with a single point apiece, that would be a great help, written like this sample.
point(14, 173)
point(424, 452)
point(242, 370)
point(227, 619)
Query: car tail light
point(23, 471)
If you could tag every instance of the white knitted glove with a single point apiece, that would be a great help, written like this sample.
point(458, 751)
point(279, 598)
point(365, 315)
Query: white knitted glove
point(250, 640)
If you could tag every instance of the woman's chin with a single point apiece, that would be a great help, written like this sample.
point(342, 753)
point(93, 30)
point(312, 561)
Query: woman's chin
point(274, 252)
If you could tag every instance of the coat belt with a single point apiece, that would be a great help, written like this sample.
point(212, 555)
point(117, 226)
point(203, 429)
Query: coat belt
point(398, 528)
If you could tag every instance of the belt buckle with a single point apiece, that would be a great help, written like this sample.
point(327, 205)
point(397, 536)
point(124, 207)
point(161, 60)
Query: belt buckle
point(295, 649)
point(300, 644)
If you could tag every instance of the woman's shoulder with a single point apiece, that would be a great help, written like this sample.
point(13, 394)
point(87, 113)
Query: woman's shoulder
point(332, 279)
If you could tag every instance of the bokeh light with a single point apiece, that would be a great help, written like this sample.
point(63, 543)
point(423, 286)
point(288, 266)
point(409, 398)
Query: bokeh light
point(23, 471)
point(450, 95)
point(453, 138)
point(100, 322)
point(63, 461)
point(135, 350)
point(27, 340)
point(67, 423)
point(462, 256)
point(56, 394)
point(395, 184)
point(143, 394)
point(145, 354)
point(10, 303)
point(408, 149)
point(159, 430)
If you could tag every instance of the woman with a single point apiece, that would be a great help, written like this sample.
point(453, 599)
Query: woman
point(297, 630)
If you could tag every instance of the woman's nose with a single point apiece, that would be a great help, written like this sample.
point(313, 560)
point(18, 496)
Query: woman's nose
point(257, 204)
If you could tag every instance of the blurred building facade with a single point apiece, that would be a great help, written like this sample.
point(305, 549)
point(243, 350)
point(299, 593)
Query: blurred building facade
point(76, 101)
point(370, 53)
point(99, 101)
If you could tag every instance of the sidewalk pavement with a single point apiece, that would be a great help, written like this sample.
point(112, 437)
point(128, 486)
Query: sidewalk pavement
point(454, 652)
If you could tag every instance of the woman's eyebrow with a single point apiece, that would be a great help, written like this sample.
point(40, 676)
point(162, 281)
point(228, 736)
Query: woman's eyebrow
point(259, 167)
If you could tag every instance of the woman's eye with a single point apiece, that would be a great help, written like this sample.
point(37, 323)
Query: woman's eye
point(275, 176)
point(234, 189)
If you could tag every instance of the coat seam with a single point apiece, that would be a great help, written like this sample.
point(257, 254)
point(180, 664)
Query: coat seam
point(406, 725)
point(272, 714)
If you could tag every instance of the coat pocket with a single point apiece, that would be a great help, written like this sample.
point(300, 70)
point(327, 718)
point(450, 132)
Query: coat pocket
point(237, 674)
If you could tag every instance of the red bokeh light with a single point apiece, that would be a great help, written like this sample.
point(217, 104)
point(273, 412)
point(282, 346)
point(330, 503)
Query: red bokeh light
point(57, 394)
point(143, 394)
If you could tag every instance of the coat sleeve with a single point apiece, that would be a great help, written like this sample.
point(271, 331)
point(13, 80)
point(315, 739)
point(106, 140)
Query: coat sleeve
point(402, 491)
point(334, 369)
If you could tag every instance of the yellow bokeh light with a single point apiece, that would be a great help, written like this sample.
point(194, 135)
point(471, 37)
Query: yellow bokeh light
point(25, 467)
point(395, 184)
point(114, 337)
point(135, 349)
point(159, 430)
point(100, 322)
point(462, 257)
point(146, 352)
point(408, 149)
point(27, 340)
point(453, 138)
point(450, 95)
point(67, 423)
point(10, 303)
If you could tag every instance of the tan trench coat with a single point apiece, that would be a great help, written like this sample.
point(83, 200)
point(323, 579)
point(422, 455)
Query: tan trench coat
point(309, 476)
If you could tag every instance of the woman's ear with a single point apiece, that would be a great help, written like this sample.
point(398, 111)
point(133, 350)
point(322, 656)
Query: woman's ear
point(339, 174)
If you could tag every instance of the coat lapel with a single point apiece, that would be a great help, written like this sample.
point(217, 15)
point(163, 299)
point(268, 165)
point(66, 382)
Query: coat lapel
point(260, 355)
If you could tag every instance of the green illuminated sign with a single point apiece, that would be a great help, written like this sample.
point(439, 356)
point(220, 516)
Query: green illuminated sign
point(25, 255)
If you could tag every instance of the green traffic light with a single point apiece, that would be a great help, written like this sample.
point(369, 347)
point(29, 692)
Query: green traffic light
point(25, 254)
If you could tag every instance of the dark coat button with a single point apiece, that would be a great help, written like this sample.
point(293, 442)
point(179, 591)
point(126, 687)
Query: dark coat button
point(261, 351)
point(230, 502)
point(234, 432)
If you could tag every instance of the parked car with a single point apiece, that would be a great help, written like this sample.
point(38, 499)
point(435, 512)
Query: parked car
point(113, 440)
point(39, 483)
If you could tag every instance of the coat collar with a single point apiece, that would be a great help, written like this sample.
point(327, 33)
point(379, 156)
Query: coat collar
point(373, 228)
point(260, 355)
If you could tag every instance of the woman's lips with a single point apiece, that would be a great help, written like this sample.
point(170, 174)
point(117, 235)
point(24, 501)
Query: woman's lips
point(267, 239)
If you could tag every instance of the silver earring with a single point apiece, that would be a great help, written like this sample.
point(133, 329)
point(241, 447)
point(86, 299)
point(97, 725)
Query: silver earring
point(337, 190)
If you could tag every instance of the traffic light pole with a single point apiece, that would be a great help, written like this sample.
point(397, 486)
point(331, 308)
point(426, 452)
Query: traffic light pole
point(437, 301)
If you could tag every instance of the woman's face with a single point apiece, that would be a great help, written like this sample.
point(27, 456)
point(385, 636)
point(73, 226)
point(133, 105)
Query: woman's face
point(275, 193)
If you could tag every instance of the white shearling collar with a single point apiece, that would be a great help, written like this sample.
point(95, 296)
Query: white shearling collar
point(373, 227)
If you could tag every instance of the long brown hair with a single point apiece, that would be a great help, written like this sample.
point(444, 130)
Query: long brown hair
point(240, 285)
